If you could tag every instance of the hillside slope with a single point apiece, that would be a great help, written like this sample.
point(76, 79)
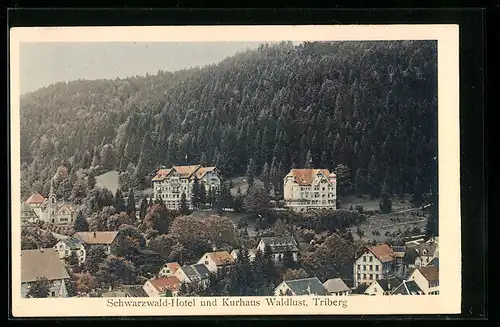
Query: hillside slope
point(371, 106)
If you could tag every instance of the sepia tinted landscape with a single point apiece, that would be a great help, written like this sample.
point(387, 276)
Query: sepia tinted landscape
point(288, 169)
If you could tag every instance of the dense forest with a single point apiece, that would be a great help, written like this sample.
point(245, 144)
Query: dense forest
point(370, 107)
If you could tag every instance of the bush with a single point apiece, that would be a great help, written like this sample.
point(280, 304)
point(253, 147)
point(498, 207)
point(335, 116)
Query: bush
point(359, 208)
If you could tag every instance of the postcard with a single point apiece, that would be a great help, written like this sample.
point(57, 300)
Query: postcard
point(235, 170)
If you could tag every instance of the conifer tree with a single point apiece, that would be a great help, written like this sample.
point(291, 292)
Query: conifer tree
point(91, 181)
point(195, 193)
point(143, 208)
point(309, 160)
point(81, 224)
point(184, 208)
point(131, 204)
point(251, 173)
point(119, 201)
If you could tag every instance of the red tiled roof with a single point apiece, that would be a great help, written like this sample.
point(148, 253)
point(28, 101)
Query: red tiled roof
point(35, 198)
point(306, 176)
point(161, 174)
point(172, 283)
point(383, 252)
point(221, 258)
point(173, 266)
point(186, 171)
point(203, 170)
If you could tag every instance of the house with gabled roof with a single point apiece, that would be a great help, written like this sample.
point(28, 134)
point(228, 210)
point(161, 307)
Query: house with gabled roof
point(301, 287)
point(382, 286)
point(309, 189)
point(407, 288)
point(98, 238)
point(197, 273)
point(279, 246)
point(168, 269)
point(67, 246)
point(336, 286)
point(157, 287)
point(169, 184)
point(373, 263)
point(427, 278)
point(215, 261)
point(43, 263)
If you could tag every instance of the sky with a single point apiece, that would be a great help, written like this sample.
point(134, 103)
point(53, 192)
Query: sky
point(42, 64)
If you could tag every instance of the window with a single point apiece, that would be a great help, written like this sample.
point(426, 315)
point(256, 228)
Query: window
point(364, 276)
point(364, 259)
point(53, 294)
point(376, 267)
point(376, 276)
point(206, 263)
point(371, 267)
point(359, 276)
point(371, 276)
point(371, 259)
point(364, 267)
point(359, 267)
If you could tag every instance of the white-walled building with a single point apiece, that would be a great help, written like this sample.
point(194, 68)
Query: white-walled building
point(215, 261)
point(158, 286)
point(168, 269)
point(427, 279)
point(43, 263)
point(278, 246)
point(374, 263)
point(301, 287)
point(169, 184)
point(309, 189)
point(104, 239)
point(337, 287)
point(67, 246)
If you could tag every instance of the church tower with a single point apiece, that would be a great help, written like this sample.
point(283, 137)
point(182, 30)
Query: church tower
point(52, 204)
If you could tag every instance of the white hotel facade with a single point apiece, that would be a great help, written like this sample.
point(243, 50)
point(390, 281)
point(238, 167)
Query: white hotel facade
point(309, 189)
point(169, 184)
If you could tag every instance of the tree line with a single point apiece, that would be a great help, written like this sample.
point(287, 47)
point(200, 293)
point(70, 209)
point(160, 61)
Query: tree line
point(369, 106)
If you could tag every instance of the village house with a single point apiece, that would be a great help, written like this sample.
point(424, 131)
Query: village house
point(278, 246)
point(216, 261)
point(427, 279)
point(298, 287)
point(170, 184)
point(57, 212)
point(197, 273)
point(126, 291)
point(168, 269)
point(28, 214)
point(337, 287)
point(407, 288)
point(251, 254)
point(105, 239)
point(308, 189)
point(158, 286)
point(65, 247)
point(36, 202)
point(421, 254)
point(400, 266)
point(43, 263)
point(374, 263)
point(382, 286)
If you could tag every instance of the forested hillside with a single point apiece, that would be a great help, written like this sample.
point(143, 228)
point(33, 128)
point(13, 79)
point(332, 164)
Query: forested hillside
point(370, 106)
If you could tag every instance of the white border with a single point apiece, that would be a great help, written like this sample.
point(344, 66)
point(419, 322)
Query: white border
point(449, 299)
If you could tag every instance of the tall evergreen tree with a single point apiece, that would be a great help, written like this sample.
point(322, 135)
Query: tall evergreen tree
point(309, 160)
point(196, 193)
point(143, 208)
point(81, 224)
point(91, 181)
point(131, 203)
point(251, 169)
point(203, 193)
point(184, 208)
point(120, 205)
